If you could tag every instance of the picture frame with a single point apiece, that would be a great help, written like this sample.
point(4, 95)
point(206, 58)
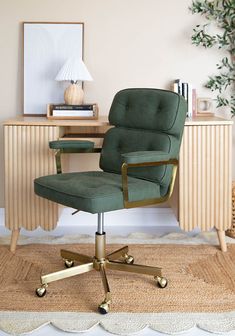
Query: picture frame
point(204, 107)
point(47, 45)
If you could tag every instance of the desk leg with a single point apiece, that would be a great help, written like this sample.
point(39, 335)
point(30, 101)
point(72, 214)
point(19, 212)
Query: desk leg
point(221, 237)
point(14, 238)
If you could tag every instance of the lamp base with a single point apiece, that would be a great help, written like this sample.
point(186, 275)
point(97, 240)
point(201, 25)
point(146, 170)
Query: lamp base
point(73, 95)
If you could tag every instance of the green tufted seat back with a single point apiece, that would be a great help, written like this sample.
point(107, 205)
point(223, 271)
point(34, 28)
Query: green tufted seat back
point(144, 120)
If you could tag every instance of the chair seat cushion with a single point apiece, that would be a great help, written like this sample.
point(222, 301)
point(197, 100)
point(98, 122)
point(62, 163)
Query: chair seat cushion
point(94, 191)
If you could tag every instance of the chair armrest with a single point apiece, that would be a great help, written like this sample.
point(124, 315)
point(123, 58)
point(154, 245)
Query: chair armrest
point(71, 144)
point(145, 156)
point(162, 160)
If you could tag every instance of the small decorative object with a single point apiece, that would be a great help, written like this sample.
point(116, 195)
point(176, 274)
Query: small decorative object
point(75, 71)
point(231, 231)
point(204, 107)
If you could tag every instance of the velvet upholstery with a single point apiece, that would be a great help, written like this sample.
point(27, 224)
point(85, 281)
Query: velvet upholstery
point(149, 109)
point(75, 144)
point(144, 120)
point(145, 156)
point(93, 191)
point(148, 126)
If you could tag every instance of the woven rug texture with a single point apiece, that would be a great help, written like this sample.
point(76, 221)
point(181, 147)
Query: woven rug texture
point(201, 279)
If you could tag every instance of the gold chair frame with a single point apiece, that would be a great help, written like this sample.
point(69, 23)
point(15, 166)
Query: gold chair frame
point(118, 260)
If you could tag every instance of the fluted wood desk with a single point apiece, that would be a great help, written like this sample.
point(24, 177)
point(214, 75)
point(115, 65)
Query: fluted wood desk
point(202, 196)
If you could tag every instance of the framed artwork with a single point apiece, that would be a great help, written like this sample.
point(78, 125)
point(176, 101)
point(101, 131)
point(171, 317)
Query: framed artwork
point(47, 45)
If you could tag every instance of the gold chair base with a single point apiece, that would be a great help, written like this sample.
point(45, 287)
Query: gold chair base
point(118, 260)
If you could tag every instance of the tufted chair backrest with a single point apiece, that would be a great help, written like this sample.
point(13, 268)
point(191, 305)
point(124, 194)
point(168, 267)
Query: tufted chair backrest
point(144, 120)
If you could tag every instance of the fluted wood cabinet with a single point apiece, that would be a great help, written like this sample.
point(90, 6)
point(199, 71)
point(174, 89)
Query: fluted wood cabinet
point(27, 156)
point(202, 195)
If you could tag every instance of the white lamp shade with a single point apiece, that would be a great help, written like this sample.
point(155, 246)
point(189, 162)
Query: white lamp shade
point(74, 69)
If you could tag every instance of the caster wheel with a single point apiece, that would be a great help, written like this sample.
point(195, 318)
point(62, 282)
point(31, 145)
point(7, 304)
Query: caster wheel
point(103, 308)
point(161, 282)
point(41, 291)
point(129, 259)
point(69, 263)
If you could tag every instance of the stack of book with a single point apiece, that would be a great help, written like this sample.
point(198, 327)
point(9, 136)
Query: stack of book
point(64, 111)
point(189, 93)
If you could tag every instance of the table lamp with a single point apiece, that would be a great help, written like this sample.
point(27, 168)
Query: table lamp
point(75, 71)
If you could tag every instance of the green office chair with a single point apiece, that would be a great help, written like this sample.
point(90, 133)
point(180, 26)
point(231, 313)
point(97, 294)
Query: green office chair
point(139, 161)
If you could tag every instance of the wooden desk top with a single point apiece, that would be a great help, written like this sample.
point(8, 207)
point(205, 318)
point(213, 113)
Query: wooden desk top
point(43, 121)
point(103, 121)
point(194, 121)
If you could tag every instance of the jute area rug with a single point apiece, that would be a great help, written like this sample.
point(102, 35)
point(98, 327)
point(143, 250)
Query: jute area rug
point(201, 290)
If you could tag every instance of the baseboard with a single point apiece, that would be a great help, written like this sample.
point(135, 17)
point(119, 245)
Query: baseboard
point(137, 217)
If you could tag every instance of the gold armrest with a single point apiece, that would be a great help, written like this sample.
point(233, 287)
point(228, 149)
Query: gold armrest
point(133, 204)
point(59, 152)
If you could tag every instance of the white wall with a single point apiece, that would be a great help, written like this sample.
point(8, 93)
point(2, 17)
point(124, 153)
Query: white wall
point(128, 43)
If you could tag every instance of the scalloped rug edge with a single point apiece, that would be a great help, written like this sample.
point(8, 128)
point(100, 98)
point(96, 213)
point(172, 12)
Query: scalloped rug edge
point(18, 323)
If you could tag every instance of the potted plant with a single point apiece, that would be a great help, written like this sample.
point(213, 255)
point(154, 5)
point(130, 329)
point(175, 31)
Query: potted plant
point(221, 15)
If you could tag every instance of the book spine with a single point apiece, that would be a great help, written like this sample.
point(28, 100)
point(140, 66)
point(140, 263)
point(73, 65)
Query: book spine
point(73, 107)
point(185, 91)
point(194, 102)
point(175, 87)
point(179, 84)
point(190, 101)
point(189, 93)
point(73, 113)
